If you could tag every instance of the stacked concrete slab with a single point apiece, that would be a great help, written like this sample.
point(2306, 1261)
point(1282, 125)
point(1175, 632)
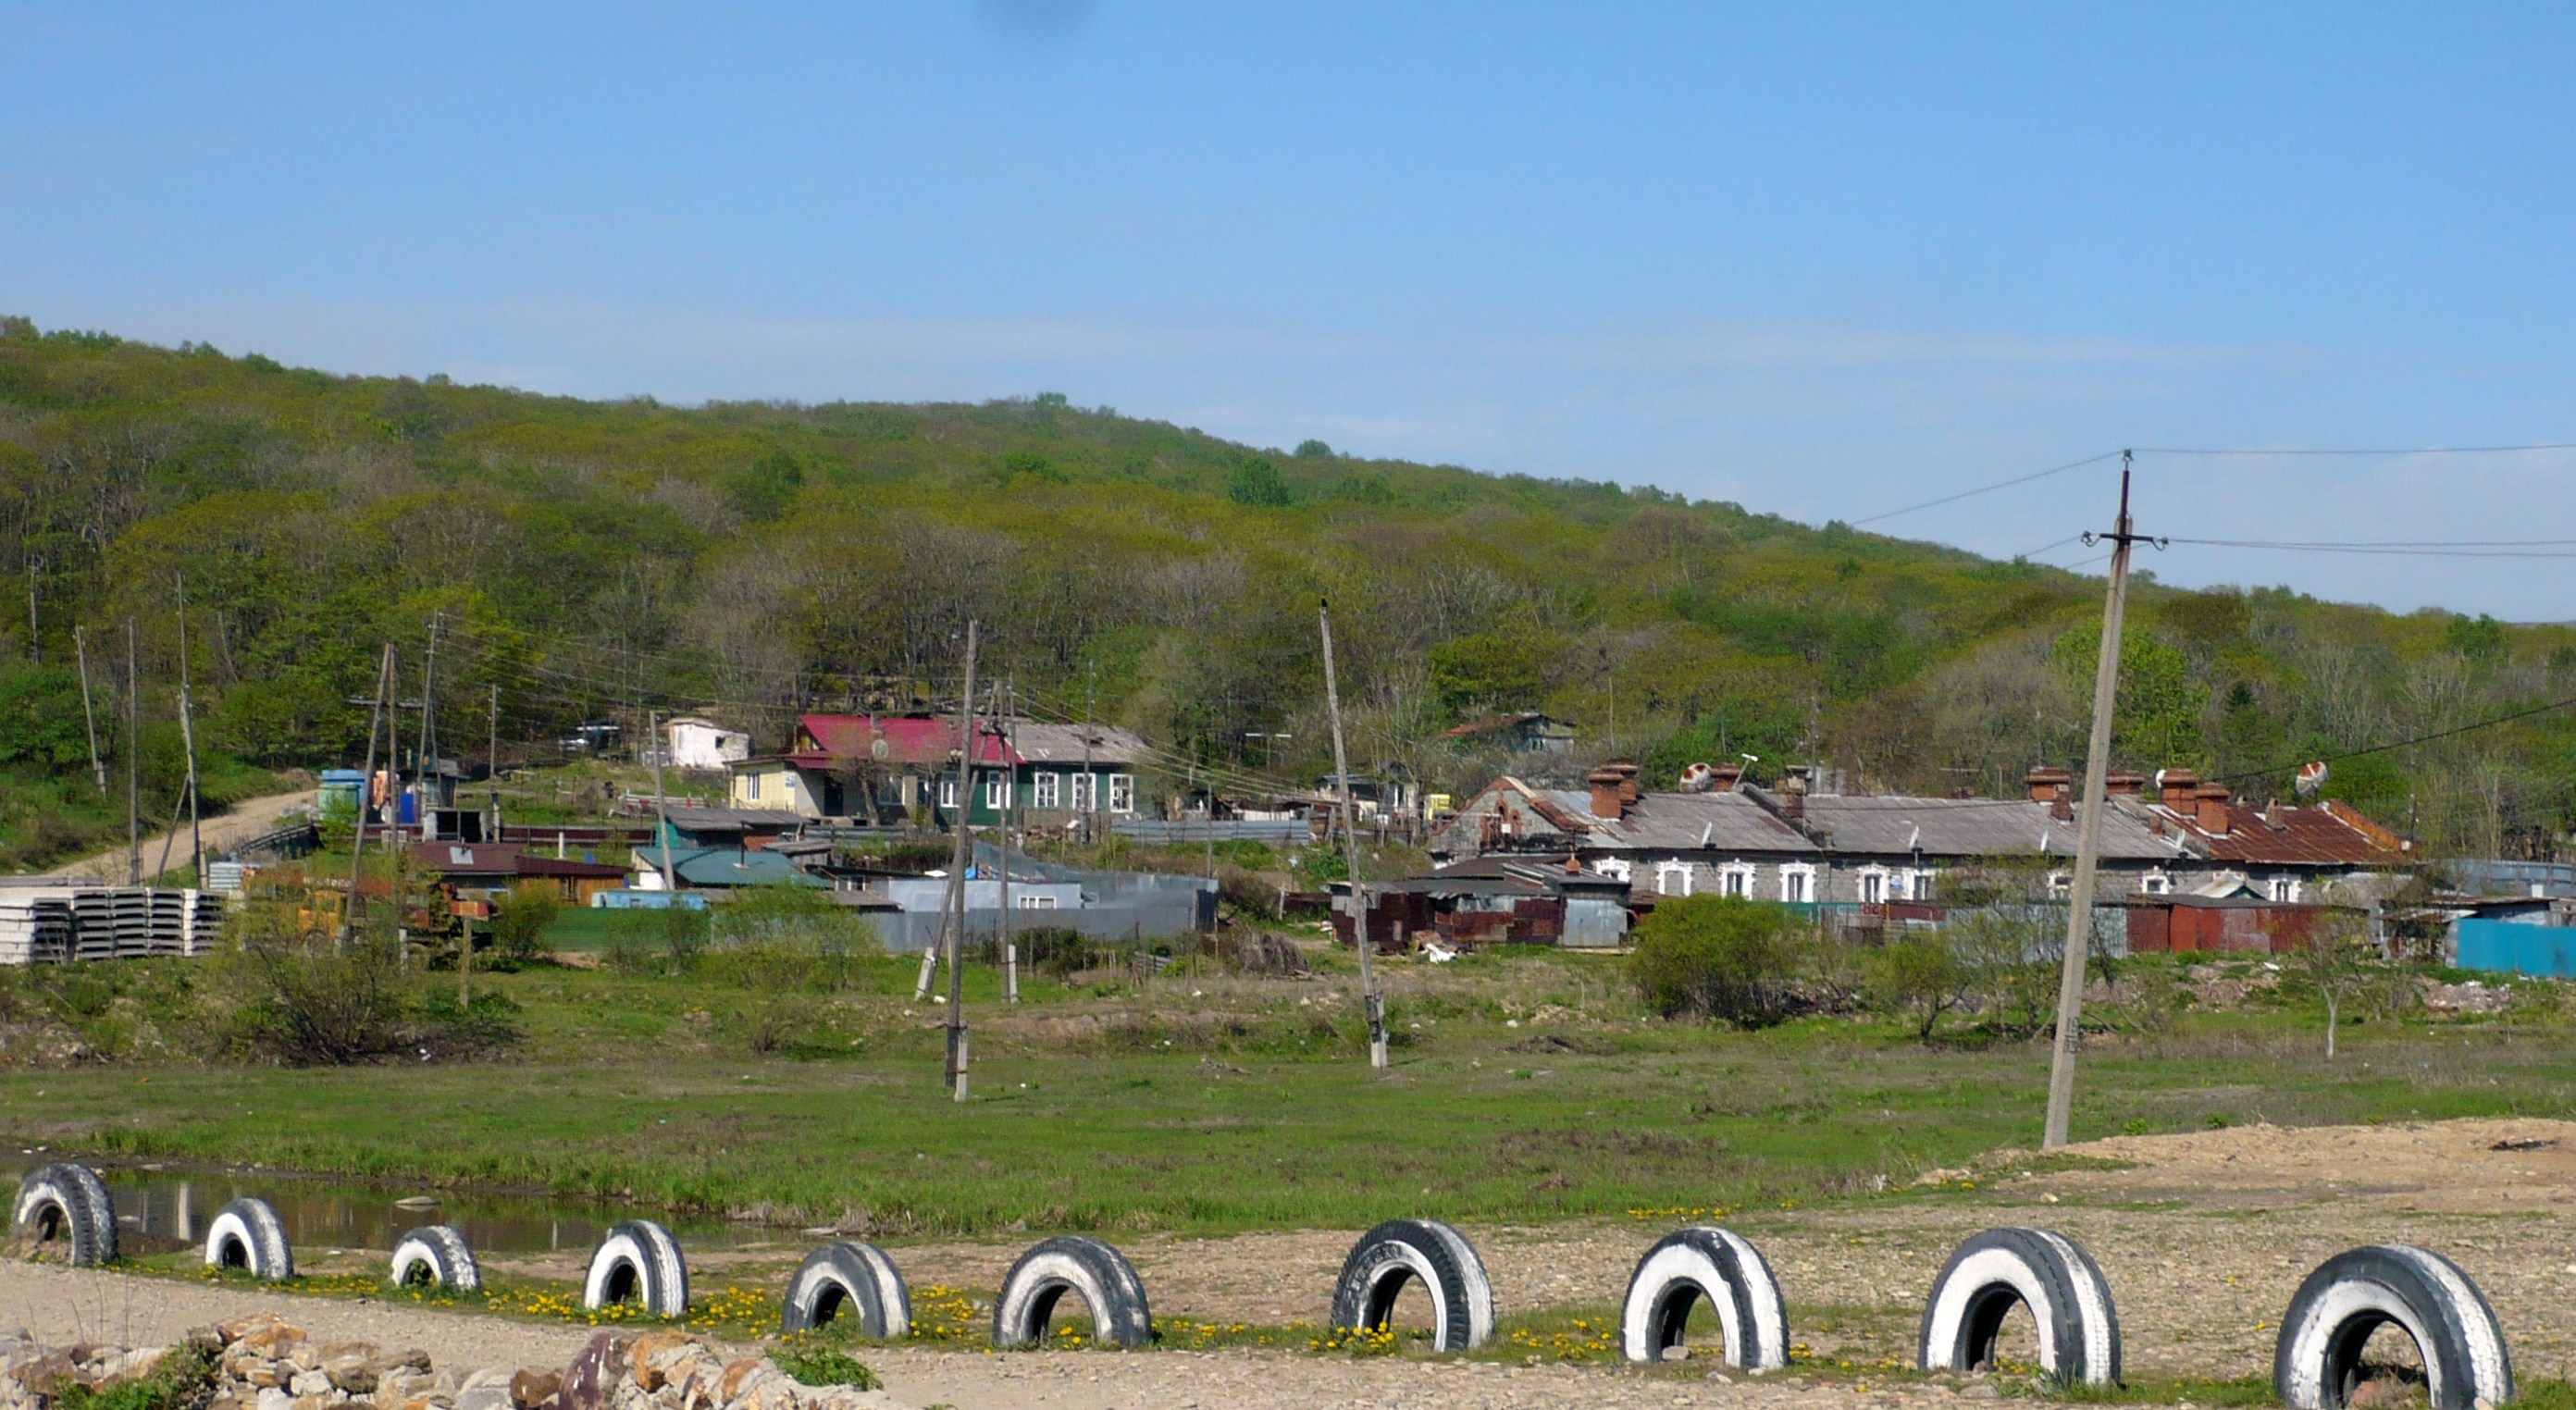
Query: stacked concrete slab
point(57, 923)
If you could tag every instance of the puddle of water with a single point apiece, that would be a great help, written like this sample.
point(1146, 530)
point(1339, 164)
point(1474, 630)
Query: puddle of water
point(169, 1206)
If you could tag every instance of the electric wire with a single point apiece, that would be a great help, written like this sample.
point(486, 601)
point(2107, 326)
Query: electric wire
point(1989, 489)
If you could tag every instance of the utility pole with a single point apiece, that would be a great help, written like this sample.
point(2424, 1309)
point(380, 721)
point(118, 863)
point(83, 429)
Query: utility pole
point(1090, 781)
point(89, 717)
point(1011, 808)
point(957, 872)
point(133, 764)
point(492, 760)
point(378, 707)
point(1370, 999)
point(188, 737)
point(35, 648)
point(2088, 837)
point(428, 696)
point(661, 810)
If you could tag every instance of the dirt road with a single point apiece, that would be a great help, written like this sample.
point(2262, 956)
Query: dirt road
point(239, 823)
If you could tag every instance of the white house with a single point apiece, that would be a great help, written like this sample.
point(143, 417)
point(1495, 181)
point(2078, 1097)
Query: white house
point(696, 742)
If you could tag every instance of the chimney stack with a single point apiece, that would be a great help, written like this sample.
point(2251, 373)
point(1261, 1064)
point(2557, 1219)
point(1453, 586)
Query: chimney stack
point(1725, 777)
point(2122, 783)
point(2176, 788)
point(2210, 802)
point(1627, 771)
point(2044, 783)
point(1608, 800)
point(2061, 804)
point(1793, 793)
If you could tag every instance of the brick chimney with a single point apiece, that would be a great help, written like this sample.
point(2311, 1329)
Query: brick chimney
point(1627, 771)
point(1609, 799)
point(2210, 801)
point(2122, 783)
point(2061, 803)
point(2175, 788)
point(1726, 777)
point(1793, 793)
point(2044, 783)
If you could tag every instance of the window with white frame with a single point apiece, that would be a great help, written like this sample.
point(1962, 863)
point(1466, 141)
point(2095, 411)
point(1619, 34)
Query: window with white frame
point(1797, 883)
point(1672, 878)
point(2059, 884)
point(1044, 789)
point(2155, 883)
point(751, 787)
point(1086, 793)
point(1615, 868)
point(948, 791)
point(1122, 793)
point(2284, 888)
point(997, 791)
point(1918, 886)
point(1736, 879)
point(1026, 902)
point(1873, 886)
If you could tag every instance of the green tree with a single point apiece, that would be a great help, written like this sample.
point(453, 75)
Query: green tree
point(2157, 718)
point(1313, 450)
point(1505, 670)
point(520, 921)
point(1256, 482)
point(1716, 957)
point(1920, 975)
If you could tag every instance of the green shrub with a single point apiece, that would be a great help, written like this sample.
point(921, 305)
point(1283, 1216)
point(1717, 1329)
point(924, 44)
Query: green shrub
point(520, 921)
point(824, 1366)
point(1922, 977)
point(1717, 957)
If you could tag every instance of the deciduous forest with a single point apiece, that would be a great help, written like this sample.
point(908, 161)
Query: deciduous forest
point(602, 559)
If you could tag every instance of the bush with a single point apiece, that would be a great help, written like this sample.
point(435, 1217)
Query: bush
point(1922, 977)
point(286, 995)
point(1717, 957)
point(823, 1366)
point(520, 921)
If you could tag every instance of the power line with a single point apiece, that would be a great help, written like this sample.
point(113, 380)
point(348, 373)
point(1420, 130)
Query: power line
point(2466, 548)
point(2358, 451)
point(2452, 733)
point(1988, 489)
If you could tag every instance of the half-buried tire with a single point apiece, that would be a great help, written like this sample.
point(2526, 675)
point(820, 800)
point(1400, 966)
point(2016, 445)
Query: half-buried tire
point(1094, 1271)
point(1401, 1250)
point(637, 1261)
point(2316, 1365)
point(1689, 1264)
point(66, 1204)
point(436, 1255)
point(2079, 1329)
point(246, 1234)
point(848, 1280)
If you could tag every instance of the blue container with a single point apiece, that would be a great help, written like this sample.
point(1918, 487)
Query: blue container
point(2517, 948)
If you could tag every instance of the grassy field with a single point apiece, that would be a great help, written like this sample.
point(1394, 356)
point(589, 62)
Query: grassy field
point(1525, 1088)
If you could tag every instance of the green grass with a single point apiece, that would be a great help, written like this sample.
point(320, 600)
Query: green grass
point(1203, 1105)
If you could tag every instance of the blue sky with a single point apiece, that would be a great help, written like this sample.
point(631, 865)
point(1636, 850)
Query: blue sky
point(1823, 260)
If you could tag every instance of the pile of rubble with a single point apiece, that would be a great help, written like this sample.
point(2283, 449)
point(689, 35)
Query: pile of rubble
point(262, 1363)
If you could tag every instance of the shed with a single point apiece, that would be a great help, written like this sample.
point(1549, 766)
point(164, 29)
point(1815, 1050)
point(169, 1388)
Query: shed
point(2225, 924)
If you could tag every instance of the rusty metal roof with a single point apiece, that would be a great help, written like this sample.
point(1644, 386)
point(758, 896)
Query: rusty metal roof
point(2331, 834)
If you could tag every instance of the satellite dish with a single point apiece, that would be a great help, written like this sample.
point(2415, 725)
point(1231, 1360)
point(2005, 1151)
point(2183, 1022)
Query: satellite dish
point(2312, 776)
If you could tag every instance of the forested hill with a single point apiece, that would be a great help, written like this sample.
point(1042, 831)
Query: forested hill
point(605, 558)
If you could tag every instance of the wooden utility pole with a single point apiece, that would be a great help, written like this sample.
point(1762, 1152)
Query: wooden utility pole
point(188, 738)
point(492, 760)
point(1090, 781)
point(35, 648)
point(89, 717)
point(1370, 999)
point(378, 707)
point(133, 763)
point(2088, 836)
point(956, 937)
point(661, 809)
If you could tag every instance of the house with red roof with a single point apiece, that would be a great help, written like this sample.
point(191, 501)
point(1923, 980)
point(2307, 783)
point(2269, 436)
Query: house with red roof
point(887, 769)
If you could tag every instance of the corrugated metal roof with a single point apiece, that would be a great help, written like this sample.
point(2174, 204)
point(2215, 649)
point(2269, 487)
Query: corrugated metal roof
point(1659, 822)
point(2289, 836)
point(915, 740)
point(1974, 827)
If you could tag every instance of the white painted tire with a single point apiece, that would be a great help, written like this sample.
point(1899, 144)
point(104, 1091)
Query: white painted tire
point(2318, 1357)
point(437, 1255)
point(637, 1261)
point(69, 1203)
point(848, 1279)
point(1099, 1274)
point(246, 1235)
point(2069, 1301)
point(1399, 1250)
point(1706, 1262)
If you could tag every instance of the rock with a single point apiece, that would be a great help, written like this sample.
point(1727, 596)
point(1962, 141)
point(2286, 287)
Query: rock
point(307, 1383)
point(271, 1398)
point(485, 1398)
point(134, 1365)
point(531, 1388)
point(654, 1354)
point(591, 1382)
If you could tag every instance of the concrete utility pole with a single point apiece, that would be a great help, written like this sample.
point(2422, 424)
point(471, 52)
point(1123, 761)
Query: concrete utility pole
point(1370, 1000)
point(1010, 812)
point(2088, 837)
point(661, 809)
point(378, 707)
point(428, 697)
point(956, 937)
point(89, 717)
point(492, 759)
point(188, 737)
point(133, 763)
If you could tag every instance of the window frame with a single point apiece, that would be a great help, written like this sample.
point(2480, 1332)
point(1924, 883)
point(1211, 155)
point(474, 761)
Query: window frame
point(1045, 789)
point(948, 790)
point(1122, 793)
point(1798, 884)
point(997, 791)
point(1086, 792)
point(1668, 869)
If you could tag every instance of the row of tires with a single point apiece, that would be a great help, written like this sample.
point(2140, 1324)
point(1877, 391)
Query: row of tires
point(2316, 1363)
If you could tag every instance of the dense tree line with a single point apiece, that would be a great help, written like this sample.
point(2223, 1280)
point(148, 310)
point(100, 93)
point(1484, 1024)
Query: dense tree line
point(595, 559)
